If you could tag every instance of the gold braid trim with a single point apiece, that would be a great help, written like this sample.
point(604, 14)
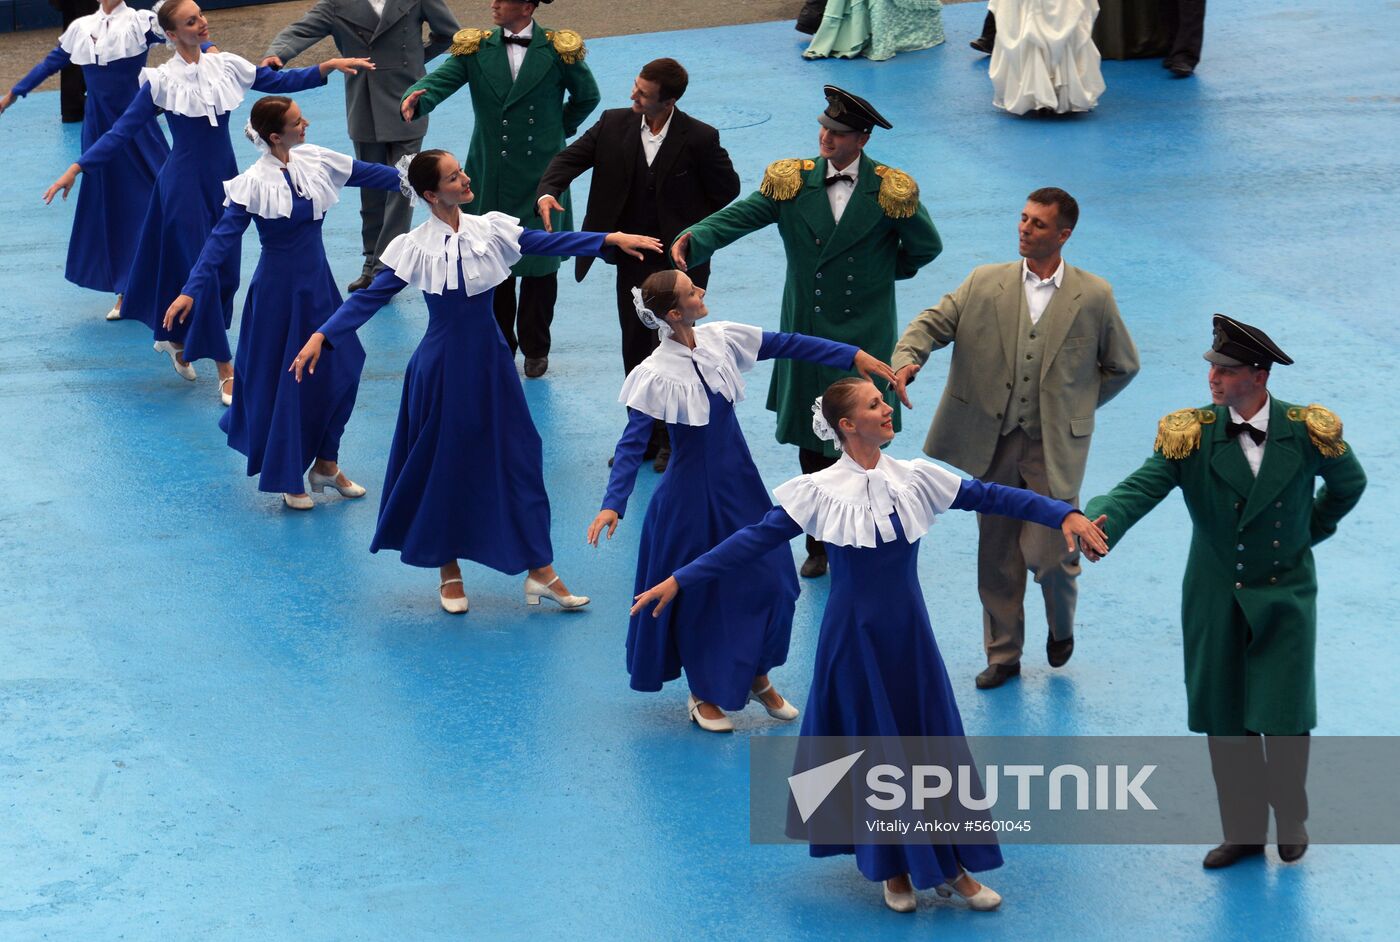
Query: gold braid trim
point(1179, 432)
point(466, 42)
point(1324, 428)
point(783, 179)
point(899, 194)
point(568, 44)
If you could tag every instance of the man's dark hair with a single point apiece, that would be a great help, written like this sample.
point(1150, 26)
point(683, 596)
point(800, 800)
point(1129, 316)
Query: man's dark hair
point(669, 74)
point(1066, 208)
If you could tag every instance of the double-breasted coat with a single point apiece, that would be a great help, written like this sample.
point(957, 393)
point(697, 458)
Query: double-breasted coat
point(840, 276)
point(1249, 596)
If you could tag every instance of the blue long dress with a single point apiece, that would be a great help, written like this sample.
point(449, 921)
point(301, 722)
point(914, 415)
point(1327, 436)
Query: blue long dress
point(282, 426)
point(188, 198)
point(465, 478)
point(722, 634)
point(112, 198)
point(877, 669)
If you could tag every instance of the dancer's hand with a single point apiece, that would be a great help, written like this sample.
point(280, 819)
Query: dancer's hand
point(680, 249)
point(1090, 534)
point(348, 66)
point(633, 245)
point(869, 367)
point(605, 518)
point(272, 62)
point(661, 594)
point(547, 205)
point(179, 310)
point(1093, 554)
point(306, 359)
point(409, 107)
point(903, 378)
point(64, 183)
point(7, 101)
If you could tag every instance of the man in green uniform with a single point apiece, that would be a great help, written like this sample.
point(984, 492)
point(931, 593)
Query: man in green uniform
point(850, 227)
point(1246, 466)
point(520, 75)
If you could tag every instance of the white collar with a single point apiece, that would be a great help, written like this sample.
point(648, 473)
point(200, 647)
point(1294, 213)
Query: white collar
point(1034, 279)
point(435, 258)
point(667, 385)
point(527, 33)
point(852, 171)
point(315, 173)
point(102, 38)
point(212, 85)
point(659, 135)
point(1259, 420)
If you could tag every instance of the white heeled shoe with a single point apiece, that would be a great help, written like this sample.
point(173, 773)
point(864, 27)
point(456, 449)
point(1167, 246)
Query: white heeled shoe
point(302, 502)
point(226, 395)
point(452, 606)
point(984, 900)
point(785, 712)
point(722, 725)
point(534, 591)
point(115, 314)
point(905, 902)
point(319, 482)
point(185, 370)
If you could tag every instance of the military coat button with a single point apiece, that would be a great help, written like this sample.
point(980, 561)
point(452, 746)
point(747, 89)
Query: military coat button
point(1239, 585)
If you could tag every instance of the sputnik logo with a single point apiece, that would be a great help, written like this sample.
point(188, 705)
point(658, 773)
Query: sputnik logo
point(810, 788)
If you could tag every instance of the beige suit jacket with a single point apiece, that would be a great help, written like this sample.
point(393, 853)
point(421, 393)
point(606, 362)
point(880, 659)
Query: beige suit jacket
point(1089, 358)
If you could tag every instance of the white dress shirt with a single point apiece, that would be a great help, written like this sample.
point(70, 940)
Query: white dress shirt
point(515, 53)
point(1039, 290)
point(651, 143)
point(1253, 451)
point(839, 194)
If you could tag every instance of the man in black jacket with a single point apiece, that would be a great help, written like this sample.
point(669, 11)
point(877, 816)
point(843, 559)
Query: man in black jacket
point(656, 171)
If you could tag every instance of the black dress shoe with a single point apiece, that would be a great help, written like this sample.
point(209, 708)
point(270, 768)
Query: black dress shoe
point(535, 367)
point(663, 460)
point(361, 282)
point(982, 44)
point(1228, 854)
point(1058, 652)
point(1288, 853)
point(997, 674)
point(814, 567)
point(1180, 68)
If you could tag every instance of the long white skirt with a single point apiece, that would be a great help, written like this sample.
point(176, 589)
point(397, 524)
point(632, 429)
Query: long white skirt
point(1045, 55)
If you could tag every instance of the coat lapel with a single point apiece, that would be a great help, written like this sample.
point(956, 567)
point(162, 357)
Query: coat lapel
point(1280, 464)
point(394, 11)
point(671, 147)
point(861, 214)
point(494, 63)
point(812, 204)
point(1226, 457)
point(536, 65)
point(362, 14)
point(1010, 309)
point(1059, 315)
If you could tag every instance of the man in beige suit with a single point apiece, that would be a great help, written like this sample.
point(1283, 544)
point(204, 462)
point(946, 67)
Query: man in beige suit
point(1038, 345)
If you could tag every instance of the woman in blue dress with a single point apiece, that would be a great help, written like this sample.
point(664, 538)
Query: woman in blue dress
point(197, 89)
point(284, 427)
point(110, 46)
point(878, 671)
point(727, 636)
point(466, 474)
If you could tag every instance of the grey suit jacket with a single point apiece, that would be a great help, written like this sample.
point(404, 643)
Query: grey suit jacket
point(1089, 358)
point(394, 41)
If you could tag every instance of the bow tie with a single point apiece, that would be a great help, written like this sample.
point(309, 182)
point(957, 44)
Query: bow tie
point(517, 40)
point(1233, 430)
point(840, 178)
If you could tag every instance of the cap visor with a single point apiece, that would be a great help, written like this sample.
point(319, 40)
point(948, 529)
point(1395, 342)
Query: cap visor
point(831, 124)
point(1221, 359)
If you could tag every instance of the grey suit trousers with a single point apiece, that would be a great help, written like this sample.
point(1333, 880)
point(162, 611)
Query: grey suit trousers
point(383, 215)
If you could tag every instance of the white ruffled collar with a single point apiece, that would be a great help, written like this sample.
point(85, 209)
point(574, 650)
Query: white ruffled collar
point(206, 88)
point(315, 173)
point(428, 256)
point(667, 385)
point(848, 505)
point(102, 38)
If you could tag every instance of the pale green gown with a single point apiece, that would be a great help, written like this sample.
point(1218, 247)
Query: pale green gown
point(876, 29)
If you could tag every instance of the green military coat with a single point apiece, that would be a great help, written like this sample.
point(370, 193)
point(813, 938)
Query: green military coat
point(520, 124)
point(840, 278)
point(1249, 598)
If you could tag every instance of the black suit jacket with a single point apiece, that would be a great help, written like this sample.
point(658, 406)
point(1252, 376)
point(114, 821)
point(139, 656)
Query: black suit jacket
point(694, 176)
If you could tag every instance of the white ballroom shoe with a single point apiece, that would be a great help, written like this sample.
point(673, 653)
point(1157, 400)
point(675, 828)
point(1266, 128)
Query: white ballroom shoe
point(295, 502)
point(115, 314)
point(186, 370)
point(452, 606)
point(722, 725)
point(319, 482)
point(226, 390)
point(984, 900)
point(784, 712)
point(905, 902)
point(534, 591)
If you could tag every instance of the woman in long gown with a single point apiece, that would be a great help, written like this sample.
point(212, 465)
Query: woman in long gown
point(285, 427)
point(466, 470)
point(876, 29)
point(197, 89)
point(111, 47)
point(726, 637)
point(1044, 57)
point(878, 671)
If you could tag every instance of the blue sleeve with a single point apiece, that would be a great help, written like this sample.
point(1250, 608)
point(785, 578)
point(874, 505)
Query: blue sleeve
point(361, 306)
point(840, 356)
point(155, 39)
point(287, 81)
point(53, 62)
point(539, 242)
point(137, 114)
point(373, 176)
point(1012, 502)
point(225, 239)
point(626, 460)
point(748, 544)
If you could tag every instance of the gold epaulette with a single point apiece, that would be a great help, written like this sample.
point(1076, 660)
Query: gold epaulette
point(466, 42)
point(568, 44)
point(899, 194)
point(783, 178)
point(1324, 428)
point(1179, 432)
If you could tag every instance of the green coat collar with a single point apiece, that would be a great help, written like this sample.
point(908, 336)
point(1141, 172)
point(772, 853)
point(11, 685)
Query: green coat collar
point(1282, 457)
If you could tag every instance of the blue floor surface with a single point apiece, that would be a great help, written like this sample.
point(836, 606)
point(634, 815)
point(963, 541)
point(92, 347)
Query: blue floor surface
point(223, 720)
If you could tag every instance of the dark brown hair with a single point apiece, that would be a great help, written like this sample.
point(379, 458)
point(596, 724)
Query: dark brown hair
point(423, 172)
point(269, 116)
point(669, 74)
point(839, 401)
point(165, 16)
point(1066, 208)
point(659, 292)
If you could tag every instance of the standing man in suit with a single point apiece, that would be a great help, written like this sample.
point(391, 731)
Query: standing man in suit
point(1247, 466)
point(1038, 345)
point(390, 32)
point(656, 170)
point(851, 228)
point(530, 90)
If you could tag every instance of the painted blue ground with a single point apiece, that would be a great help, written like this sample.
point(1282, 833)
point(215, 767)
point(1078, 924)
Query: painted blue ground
point(221, 720)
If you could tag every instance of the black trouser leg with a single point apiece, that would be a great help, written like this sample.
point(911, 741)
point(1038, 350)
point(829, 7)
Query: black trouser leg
point(535, 313)
point(503, 306)
point(812, 462)
point(1185, 24)
point(1241, 787)
point(72, 87)
point(809, 19)
point(989, 27)
point(1286, 759)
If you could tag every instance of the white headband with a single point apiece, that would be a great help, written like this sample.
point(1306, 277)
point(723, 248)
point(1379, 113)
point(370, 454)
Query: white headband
point(820, 427)
point(648, 317)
